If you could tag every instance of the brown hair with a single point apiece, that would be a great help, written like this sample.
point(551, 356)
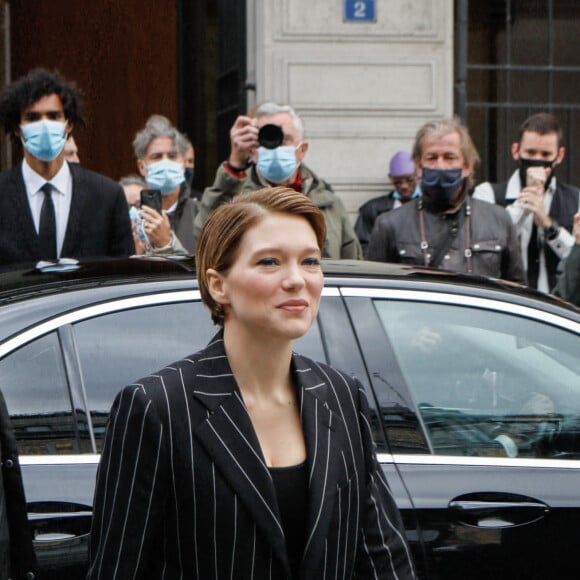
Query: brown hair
point(221, 235)
point(443, 127)
point(543, 124)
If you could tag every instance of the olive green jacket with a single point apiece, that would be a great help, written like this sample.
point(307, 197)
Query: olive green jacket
point(341, 240)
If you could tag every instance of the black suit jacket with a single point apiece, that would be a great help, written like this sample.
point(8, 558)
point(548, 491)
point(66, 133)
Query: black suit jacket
point(98, 223)
point(183, 490)
point(17, 557)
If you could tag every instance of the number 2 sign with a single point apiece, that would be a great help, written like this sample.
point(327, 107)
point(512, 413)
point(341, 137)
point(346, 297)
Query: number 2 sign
point(359, 11)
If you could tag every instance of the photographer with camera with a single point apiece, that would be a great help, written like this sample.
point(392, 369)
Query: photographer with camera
point(268, 151)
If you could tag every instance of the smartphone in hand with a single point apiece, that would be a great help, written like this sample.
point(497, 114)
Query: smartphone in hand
point(536, 178)
point(152, 198)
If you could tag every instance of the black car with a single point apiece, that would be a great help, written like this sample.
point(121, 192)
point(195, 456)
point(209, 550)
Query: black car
point(474, 388)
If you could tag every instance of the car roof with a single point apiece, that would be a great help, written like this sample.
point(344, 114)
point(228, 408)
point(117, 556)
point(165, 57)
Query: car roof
point(22, 285)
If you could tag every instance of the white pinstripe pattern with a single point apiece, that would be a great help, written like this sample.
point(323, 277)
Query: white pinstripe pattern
point(187, 446)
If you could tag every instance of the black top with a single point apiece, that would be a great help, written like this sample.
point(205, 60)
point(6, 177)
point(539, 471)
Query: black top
point(291, 484)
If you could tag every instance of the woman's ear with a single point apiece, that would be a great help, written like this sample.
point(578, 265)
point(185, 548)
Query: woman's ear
point(216, 285)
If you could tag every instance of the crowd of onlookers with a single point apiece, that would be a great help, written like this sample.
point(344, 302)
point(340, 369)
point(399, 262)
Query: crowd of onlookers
point(526, 229)
point(522, 230)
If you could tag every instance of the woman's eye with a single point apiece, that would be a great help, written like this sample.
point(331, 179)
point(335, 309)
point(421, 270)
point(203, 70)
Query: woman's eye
point(312, 262)
point(268, 262)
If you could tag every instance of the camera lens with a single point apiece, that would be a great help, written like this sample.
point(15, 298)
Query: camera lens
point(270, 136)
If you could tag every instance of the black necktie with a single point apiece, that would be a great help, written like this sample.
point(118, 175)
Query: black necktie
point(47, 226)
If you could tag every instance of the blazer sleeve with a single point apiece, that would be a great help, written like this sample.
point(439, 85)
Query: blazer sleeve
point(121, 241)
point(383, 550)
point(130, 490)
point(22, 557)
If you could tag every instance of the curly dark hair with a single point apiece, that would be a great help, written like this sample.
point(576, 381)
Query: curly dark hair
point(20, 94)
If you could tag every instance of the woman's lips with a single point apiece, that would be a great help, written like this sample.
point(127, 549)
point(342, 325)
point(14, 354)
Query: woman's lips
point(295, 306)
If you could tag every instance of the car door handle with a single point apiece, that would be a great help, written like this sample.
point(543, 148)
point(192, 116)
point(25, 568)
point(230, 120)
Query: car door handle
point(497, 510)
point(58, 521)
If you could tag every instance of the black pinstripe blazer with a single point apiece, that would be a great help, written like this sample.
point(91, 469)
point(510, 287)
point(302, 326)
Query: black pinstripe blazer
point(183, 490)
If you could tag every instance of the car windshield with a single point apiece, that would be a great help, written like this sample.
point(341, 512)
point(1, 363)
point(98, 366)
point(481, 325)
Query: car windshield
point(488, 382)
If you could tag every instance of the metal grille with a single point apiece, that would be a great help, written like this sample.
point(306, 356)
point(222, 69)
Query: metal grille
point(515, 58)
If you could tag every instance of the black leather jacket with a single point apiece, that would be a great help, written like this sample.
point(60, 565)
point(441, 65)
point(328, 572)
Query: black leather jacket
point(490, 238)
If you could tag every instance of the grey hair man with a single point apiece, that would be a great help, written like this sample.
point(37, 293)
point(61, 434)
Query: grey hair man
point(160, 150)
point(445, 228)
point(269, 150)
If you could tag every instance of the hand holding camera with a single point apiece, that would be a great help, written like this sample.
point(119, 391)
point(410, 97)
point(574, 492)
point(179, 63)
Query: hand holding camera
point(243, 142)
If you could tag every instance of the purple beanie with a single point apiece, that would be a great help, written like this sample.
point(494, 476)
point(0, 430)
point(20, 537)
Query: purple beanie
point(401, 164)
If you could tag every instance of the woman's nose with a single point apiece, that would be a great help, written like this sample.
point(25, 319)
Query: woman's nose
point(294, 277)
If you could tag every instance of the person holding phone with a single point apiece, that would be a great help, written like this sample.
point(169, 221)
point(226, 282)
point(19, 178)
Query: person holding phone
point(541, 207)
point(247, 460)
point(160, 150)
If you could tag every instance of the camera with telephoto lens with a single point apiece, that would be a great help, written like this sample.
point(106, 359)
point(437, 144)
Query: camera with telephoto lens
point(270, 136)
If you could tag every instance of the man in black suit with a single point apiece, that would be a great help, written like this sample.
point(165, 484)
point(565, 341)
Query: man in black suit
point(50, 209)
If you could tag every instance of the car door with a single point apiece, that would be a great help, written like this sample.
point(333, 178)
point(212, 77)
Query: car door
point(480, 400)
point(60, 376)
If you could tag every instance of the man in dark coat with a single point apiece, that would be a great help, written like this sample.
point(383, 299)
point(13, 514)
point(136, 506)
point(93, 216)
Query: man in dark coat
point(445, 228)
point(50, 209)
point(403, 176)
point(17, 559)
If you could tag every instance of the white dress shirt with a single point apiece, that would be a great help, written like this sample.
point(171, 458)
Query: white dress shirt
point(61, 197)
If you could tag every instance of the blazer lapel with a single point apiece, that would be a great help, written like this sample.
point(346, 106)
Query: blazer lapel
point(230, 439)
point(76, 210)
point(326, 439)
point(22, 212)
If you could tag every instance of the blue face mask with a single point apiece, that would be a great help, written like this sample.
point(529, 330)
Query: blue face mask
point(439, 186)
point(189, 173)
point(277, 165)
point(136, 219)
point(165, 175)
point(416, 193)
point(44, 139)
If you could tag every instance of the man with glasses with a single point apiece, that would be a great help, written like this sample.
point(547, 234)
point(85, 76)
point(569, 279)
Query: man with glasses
point(268, 151)
point(403, 176)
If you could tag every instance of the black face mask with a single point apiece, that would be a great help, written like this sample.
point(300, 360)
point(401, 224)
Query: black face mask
point(439, 186)
point(525, 163)
point(189, 173)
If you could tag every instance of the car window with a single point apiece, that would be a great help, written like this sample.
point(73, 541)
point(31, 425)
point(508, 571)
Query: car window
point(119, 348)
point(486, 382)
point(35, 387)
